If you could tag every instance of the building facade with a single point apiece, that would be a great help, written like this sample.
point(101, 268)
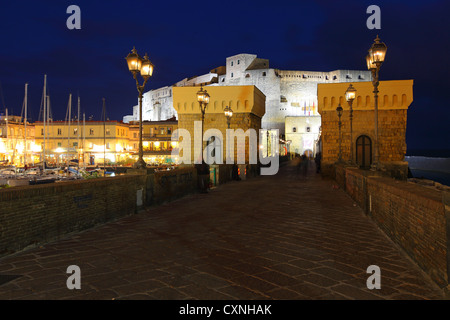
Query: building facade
point(302, 135)
point(289, 93)
point(394, 100)
point(92, 143)
point(248, 104)
point(17, 143)
point(157, 141)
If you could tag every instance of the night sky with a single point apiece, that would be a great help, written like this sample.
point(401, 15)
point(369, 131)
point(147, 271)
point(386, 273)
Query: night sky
point(188, 38)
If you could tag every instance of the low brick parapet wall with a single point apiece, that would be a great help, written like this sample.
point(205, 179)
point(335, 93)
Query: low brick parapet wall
point(413, 216)
point(32, 215)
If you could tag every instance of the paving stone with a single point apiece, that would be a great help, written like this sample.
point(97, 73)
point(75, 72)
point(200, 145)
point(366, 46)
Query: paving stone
point(217, 246)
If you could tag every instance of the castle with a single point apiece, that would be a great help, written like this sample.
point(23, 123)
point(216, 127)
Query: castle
point(290, 95)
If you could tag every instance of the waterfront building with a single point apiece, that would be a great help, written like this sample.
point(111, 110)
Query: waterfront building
point(156, 141)
point(17, 144)
point(94, 143)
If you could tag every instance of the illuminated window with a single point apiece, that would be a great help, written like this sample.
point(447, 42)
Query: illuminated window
point(108, 132)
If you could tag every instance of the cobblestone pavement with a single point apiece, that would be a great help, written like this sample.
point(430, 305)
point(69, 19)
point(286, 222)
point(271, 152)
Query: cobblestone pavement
point(270, 237)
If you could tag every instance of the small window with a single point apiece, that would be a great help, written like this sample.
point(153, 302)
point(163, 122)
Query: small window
point(238, 61)
point(59, 144)
point(75, 144)
point(59, 132)
point(264, 74)
point(42, 132)
point(247, 75)
point(308, 129)
point(108, 132)
point(91, 132)
point(232, 74)
point(135, 135)
point(75, 131)
point(294, 129)
point(231, 63)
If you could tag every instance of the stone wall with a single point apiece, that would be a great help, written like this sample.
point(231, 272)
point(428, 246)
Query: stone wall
point(413, 216)
point(31, 215)
point(166, 186)
point(394, 100)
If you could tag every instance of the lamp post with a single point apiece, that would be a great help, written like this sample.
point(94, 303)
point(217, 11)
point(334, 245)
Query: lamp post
point(375, 59)
point(136, 65)
point(268, 143)
point(228, 113)
point(350, 95)
point(203, 100)
point(339, 111)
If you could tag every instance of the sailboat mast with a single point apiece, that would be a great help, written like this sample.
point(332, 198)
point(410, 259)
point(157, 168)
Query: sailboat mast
point(104, 135)
point(7, 132)
point(68, 132)
point(25, 125)
point(44, 114)
point(78, 132)
point(84, 138)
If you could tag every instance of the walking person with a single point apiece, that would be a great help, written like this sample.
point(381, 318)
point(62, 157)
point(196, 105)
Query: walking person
point(304, 165)
point(317, 161)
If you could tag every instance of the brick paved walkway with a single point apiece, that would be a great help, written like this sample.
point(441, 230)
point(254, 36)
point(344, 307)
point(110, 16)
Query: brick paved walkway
point(272, 237)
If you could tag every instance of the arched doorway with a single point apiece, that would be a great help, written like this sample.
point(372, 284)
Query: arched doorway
point(364, 152)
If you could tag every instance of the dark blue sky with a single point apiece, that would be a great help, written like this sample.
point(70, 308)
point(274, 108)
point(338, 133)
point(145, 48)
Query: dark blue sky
point(187, 38)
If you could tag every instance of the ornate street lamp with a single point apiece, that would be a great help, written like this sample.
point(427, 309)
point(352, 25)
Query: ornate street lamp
point(136, 65)
point(339, 111)
point(203, 100)
point(375, 59)
point(350, 95)
point(228, 113)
